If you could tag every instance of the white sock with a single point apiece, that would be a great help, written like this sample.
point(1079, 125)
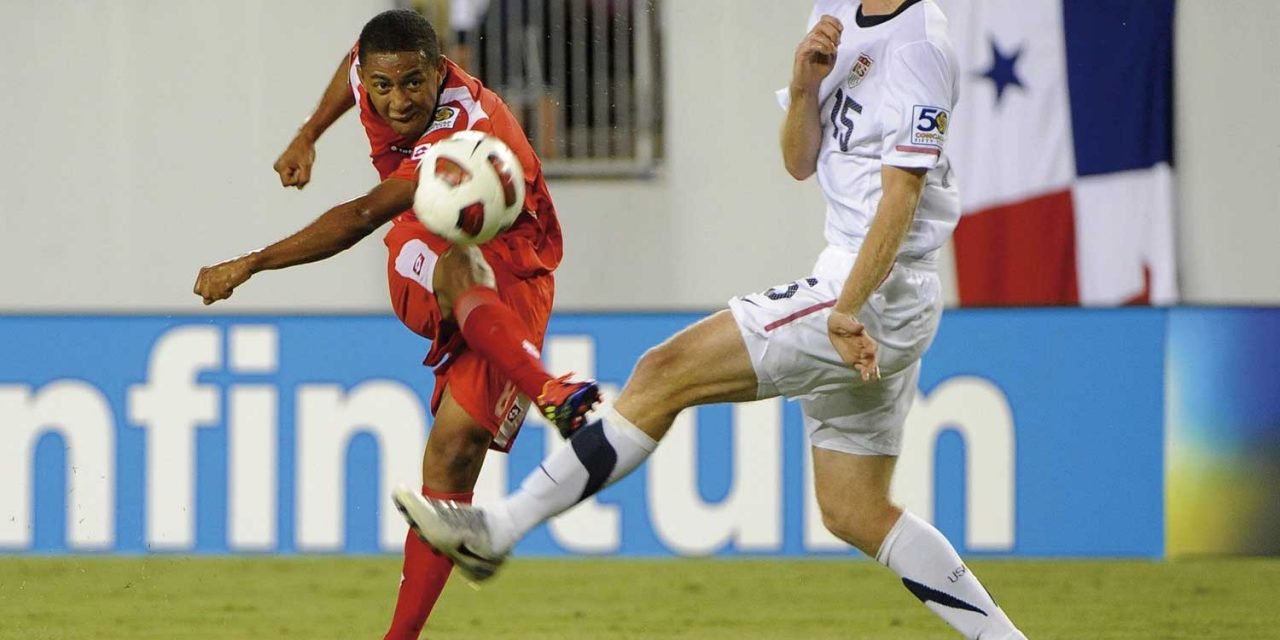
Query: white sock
point(599, 454)
point(931, 570)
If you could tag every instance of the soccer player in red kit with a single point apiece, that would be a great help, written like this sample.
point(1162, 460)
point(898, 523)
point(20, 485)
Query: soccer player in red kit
point(484, 308)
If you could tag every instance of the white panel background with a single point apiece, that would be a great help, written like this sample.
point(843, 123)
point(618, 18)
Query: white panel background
point(138, 139)
point(1228, 214)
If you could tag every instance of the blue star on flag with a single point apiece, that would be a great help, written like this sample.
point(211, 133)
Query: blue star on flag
point(1003, 72)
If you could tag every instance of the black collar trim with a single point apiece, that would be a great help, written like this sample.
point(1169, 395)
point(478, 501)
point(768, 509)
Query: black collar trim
point(871, 21)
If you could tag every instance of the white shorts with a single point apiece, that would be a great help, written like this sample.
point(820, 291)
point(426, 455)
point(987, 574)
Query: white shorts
point(785, 329)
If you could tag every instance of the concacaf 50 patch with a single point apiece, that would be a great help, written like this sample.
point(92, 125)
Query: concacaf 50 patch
point(929, 126)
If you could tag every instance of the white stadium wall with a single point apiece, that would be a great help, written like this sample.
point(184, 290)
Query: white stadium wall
point(1227, 166)
point(139, 138)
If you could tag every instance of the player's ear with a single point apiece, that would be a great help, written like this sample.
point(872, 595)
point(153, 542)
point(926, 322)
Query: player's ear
point(440, 67)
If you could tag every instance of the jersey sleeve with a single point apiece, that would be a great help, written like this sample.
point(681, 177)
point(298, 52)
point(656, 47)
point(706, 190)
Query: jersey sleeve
point(916, 114)
point(353, 71)
point(449, 120)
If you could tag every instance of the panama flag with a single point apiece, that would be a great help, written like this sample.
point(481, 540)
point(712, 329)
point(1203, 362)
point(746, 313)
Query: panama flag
point(1063, 142)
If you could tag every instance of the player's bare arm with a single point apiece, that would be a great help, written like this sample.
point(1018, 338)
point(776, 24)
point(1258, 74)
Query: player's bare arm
point(335, 231)
point(901, 196)
point(294, 165)
point(802, 129)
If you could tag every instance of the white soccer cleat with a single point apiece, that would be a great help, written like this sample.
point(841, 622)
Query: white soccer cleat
point(459, 531)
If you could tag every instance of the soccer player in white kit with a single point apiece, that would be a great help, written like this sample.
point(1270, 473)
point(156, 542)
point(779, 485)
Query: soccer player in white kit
point(868, 110)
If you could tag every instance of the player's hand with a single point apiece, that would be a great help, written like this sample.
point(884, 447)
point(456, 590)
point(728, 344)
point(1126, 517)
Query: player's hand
point(294, 165)
point(816, 55)
point(216, 282)
point(856, 348)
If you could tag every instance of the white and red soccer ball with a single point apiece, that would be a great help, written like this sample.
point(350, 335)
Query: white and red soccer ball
point(470, 188)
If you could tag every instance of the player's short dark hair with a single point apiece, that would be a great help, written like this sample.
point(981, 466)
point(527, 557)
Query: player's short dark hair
point(399, 30)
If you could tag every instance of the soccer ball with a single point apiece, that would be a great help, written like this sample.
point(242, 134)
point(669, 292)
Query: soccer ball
point(470, 188)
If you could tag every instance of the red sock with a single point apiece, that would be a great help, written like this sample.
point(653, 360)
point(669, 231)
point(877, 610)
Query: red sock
point(495, 332)
point(421, 580)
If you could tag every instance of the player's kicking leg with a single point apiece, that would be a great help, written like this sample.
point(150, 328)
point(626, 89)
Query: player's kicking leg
point(477, 404)
point(705, 363)
point(450, 465)
point(467, 292)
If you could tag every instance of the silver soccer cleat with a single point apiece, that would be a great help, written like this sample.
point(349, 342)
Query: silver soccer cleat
point(459, 531)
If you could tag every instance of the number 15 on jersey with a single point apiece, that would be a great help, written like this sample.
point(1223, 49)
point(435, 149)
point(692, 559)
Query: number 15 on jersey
point(841, 118)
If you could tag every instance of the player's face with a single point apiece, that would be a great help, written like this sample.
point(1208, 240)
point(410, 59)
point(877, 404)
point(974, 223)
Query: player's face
point(403, 88)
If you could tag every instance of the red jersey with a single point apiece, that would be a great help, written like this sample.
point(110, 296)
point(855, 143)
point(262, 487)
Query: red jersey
point(533, 245)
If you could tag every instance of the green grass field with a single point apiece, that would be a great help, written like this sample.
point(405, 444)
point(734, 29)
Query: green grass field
point(340, 597)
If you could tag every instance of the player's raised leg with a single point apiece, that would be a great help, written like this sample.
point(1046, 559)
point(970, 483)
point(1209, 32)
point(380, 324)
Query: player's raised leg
point(450, 465)
point(467, 292)
point(853, 494)
point(706, 363)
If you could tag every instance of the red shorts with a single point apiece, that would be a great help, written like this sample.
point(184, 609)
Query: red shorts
point(486, 396)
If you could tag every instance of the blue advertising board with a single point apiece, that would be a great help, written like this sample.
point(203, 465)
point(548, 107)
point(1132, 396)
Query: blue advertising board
point(1036, 433)
point(1223, 425)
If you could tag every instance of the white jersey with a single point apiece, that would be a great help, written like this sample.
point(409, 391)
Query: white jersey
point(887, 101)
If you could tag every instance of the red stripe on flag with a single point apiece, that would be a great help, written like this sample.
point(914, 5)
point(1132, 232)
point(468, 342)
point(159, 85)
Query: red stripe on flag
point(1019, 254)
point(1143, 299)
point(799, 314)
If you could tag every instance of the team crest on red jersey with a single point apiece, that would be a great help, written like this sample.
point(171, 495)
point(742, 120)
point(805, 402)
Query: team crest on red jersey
point(445, 118)
point(860, 70)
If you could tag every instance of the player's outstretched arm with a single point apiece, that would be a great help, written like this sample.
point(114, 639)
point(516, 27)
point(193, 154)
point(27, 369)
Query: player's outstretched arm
point(901, 196)
point(294, 165)
point(802, 129)
point(333, 232)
